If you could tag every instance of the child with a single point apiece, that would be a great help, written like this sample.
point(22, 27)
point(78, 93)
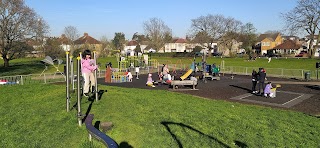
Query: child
point(87, 68)
point(150, 81)
point(129, 75)
point(267, 90)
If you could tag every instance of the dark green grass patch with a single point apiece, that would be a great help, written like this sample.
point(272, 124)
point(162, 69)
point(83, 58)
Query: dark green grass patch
point(35, 116)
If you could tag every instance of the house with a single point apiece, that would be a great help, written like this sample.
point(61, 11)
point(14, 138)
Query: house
point(176, 45)
point(267, 42)
point(64, 41)
point(88, 42)
point(130, 47)
point(288, 47)
point(314, 44)
point(294, 38)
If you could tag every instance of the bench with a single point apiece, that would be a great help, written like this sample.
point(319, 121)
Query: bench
point(175, 83)
point(212, 77)
point(94, 132)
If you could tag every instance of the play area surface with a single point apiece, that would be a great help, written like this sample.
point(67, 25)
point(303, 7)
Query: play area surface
point(293, 94)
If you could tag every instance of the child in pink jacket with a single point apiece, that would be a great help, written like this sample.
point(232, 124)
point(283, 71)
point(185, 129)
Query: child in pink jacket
point(88, 67)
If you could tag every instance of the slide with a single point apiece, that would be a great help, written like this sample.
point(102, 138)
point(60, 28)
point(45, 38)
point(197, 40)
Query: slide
point(186, 74)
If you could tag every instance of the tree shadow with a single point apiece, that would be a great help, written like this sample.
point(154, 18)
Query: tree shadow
point(315, 87)
point(166, 124)
point(20, 68)
point(91, 99)
point(249, 90)
point(125, 144)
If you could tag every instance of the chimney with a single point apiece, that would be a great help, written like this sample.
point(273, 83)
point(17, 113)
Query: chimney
point(85, 34)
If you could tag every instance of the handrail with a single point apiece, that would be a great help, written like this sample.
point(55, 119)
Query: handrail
point(105, 139)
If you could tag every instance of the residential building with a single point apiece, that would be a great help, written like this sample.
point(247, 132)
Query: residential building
point(267, 42)
point(65, 45)
point(176, 45)
point(130, 47)
point(288, 47)
point(314, 44)
point(88, 42)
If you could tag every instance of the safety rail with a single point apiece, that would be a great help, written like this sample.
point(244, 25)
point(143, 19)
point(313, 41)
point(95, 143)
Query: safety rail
point(53, 78)
point(274, 72)
point(94, 132)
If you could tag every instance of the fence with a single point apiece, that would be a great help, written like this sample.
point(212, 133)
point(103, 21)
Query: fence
point(274, 72)
point(57, 77)
point(32, 79)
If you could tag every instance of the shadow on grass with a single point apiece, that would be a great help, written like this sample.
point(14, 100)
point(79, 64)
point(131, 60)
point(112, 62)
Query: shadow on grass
point(166, 124)
point(125, 144)
point(91, 100)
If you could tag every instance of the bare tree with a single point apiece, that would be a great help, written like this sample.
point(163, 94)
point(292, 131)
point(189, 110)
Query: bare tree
point(157, 32)
point(305, 17)
point(232, 29)
point(71, 34)
point(106, 46)
point(214, 28)
point(17, 21)
point(248, 37)
point(41, 29)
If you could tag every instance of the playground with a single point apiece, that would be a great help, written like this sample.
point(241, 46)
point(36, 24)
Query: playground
point(149, 110)
point(293, 94)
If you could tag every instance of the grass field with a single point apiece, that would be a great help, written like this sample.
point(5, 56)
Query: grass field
point(35, 116)
point(33, 65)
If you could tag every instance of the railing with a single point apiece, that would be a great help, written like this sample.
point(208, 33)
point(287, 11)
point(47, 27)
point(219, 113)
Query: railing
point(53, 78)
point(274, 72)
point(32, 79)
point(93, 132)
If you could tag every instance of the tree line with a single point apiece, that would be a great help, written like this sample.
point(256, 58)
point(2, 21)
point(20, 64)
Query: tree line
point(19, 22)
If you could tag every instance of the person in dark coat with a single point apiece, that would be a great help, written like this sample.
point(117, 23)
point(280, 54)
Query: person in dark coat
point(254, 78)
point(261, 78)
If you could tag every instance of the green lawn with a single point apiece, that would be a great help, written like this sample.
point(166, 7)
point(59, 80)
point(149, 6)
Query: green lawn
point(35, 116)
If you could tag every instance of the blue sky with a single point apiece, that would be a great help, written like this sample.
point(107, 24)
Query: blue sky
point(105, 17)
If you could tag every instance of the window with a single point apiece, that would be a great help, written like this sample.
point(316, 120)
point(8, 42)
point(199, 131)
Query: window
point(265, 43)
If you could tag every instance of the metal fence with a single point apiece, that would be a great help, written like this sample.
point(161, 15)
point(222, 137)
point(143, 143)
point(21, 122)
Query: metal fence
point(32, 79)
point(57, 77)
point(274, 72)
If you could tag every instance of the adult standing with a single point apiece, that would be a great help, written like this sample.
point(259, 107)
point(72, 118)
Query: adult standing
point(254, 78)
point(261, 78)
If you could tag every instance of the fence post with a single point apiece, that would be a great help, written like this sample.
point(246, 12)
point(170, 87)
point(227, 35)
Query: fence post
point(246, 70)
point(44, 78)
point(21, 79)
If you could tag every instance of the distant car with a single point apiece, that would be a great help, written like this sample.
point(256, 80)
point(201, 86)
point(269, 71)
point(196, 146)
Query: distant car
point(302, 54)
point(216, 54)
